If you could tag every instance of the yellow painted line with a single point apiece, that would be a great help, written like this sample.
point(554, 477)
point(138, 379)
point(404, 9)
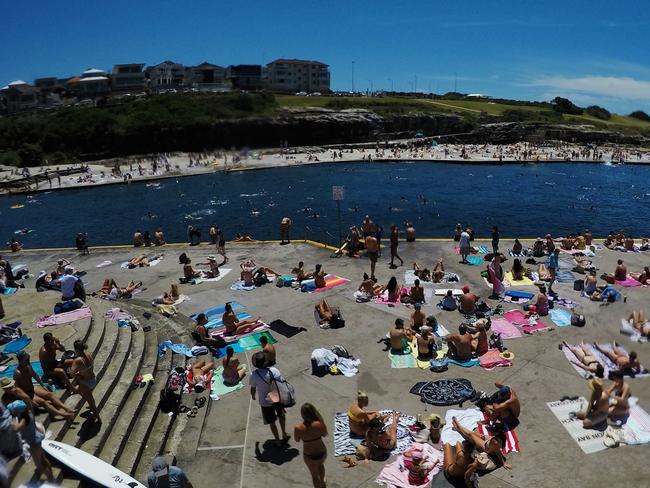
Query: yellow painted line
point(324, 246)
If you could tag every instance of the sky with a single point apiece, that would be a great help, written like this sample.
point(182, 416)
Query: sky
point(591, 51)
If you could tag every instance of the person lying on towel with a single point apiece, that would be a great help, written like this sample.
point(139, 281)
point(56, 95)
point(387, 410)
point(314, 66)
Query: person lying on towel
point(379, 439)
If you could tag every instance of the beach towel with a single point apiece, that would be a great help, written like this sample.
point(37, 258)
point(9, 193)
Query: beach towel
point(589, 440)
point(564, 302)
point(249, 341)
point(637, 427)
point(493, 359)
point(189, 376)
point(457, 250)
point(241, 286)
point(64, 318)
point(505, 283)
point(643, 373)
point(332, 281)
point(505, 327)
point(9, 371)
point(8, 291)
point(181, 299)
point(222, 272)
point(564, 276)
point(394, 475)
point(117, 314)
point(284, 329)
point(560, 317)
point(475, 260)
point(483, 249)
point(346, 443)
point(519, 294)
point(16, 345)
point(512, 442)
point(177, 348)
point(468, 418)
point(629, 282)
point(383, 300)
point(518, 255)
point(104, 263)
point(410, 277)
point(445, 391)
point(523, 282)
point(218, 388)
point(219, 310)
point(442, 292)
point(166, 310)
point(628, 329)
point(217, 321)
point(524, 323)
point(250, 329)
point(401, 361)
point(464, 364)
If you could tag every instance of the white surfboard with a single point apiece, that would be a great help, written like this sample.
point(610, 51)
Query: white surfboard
point(89, 466)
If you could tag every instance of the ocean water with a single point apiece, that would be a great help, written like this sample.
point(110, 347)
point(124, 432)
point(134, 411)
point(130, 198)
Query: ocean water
point(523, 200)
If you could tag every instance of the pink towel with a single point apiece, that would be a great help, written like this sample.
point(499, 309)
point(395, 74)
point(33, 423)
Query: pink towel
point(493, 359)
point(629, 282)
point(457, 250)
point(504, 327)
point(64, 318)
point(519, 317)
point(512, 442)
point(395, 474)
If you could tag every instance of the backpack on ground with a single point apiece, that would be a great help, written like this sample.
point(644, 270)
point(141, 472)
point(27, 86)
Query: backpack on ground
point(340, 351)
point(337, 321)
point(170, 395)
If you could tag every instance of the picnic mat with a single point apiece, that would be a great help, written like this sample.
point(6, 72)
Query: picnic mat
point(523, 282)
point(560, 317)
point(394, 475)
point(284, 329)
point(222, 272)
point(445, 391)
point(64, 318)
point(332, 281)
point(589, 440)
point(346, 443)
point(218, 388)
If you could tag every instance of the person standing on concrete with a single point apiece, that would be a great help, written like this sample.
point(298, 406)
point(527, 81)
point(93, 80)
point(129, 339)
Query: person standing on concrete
point(285, 223)
point(261, 382)
point(495, 239)
point(162, 475)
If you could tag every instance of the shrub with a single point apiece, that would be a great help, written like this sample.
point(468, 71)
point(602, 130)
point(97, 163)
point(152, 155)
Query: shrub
point(598, 112)
point(640, 115)
point(565, 106)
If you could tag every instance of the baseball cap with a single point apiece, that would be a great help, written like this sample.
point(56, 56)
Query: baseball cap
point(17, 406)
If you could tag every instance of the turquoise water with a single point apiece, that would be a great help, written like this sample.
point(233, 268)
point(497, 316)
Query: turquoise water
point(523, 200)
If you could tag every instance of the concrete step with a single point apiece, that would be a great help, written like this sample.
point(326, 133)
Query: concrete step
point(141, 429)
point(136, 400)
point(93, 334)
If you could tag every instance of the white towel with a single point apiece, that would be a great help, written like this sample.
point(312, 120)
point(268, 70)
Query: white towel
point(468, 418)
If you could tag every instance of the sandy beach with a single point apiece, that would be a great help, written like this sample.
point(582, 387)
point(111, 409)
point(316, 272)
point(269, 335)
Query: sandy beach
point(175, 165)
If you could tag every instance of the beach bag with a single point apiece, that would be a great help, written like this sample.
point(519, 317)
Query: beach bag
point(439, 365)
point(170, 395)
point(337, 322)
point(340, 351)
point(578, 285)
point(578, 320)
point(67, 306)
point(281, 392)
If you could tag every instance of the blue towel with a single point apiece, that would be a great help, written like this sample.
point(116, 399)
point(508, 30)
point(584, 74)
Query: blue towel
point(9, 291)
point(565, 277)
point(218, 322)
point(9, 372)
point(483, 249)
point(17, 345)
point(177, 348)
point(475, 260)
point(466, 364)
point(219, 310)
point(519, 294)
point(560, 317)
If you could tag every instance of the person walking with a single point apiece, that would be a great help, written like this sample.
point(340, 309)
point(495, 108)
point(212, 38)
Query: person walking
point(310, 432)
point(553, 264)
point(162, 475)
point(394, 243)
point(464, 246)
point(262, 387)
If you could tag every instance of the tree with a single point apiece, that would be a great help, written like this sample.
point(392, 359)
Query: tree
point(30, 155)
point(641, 115)
point(598, 112)
point(565, 106)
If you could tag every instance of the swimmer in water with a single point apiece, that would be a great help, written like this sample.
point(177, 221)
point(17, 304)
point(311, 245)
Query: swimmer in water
point(255, 212)
point(315, 216)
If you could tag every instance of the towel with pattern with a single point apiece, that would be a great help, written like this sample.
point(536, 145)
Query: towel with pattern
point(346, 443)
point(444, 392)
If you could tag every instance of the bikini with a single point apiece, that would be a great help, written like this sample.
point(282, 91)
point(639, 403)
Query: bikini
point(317, 456)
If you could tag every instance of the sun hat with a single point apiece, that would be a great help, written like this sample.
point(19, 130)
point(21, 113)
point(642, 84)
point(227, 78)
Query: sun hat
point(507, 355)
point(6, 383)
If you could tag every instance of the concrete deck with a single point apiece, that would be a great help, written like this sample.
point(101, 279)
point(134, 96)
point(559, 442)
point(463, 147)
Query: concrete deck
point(233, 446)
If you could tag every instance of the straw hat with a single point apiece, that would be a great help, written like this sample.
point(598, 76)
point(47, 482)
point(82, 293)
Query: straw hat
point(435, 416)
point(507, 355)
point(7, 383)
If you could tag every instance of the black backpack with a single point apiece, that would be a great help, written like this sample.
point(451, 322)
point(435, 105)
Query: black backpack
point(337, 321)
point(170, 395)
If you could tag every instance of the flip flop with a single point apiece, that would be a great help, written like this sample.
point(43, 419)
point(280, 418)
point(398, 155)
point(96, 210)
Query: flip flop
point(199, 402)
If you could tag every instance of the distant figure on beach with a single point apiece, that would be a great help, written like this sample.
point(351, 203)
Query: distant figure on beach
point(82, 243)
point(14, 245)
point(368, 227)
point(159, 237)
point(410, 232)
point(285, 224)
point(138, 239)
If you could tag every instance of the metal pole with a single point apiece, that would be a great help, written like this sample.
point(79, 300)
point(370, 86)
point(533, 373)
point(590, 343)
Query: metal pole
point(338, 212)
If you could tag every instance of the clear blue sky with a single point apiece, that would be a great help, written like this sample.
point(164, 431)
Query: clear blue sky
point(592, 51)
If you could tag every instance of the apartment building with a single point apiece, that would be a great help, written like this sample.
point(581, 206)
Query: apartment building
point(297, 75)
